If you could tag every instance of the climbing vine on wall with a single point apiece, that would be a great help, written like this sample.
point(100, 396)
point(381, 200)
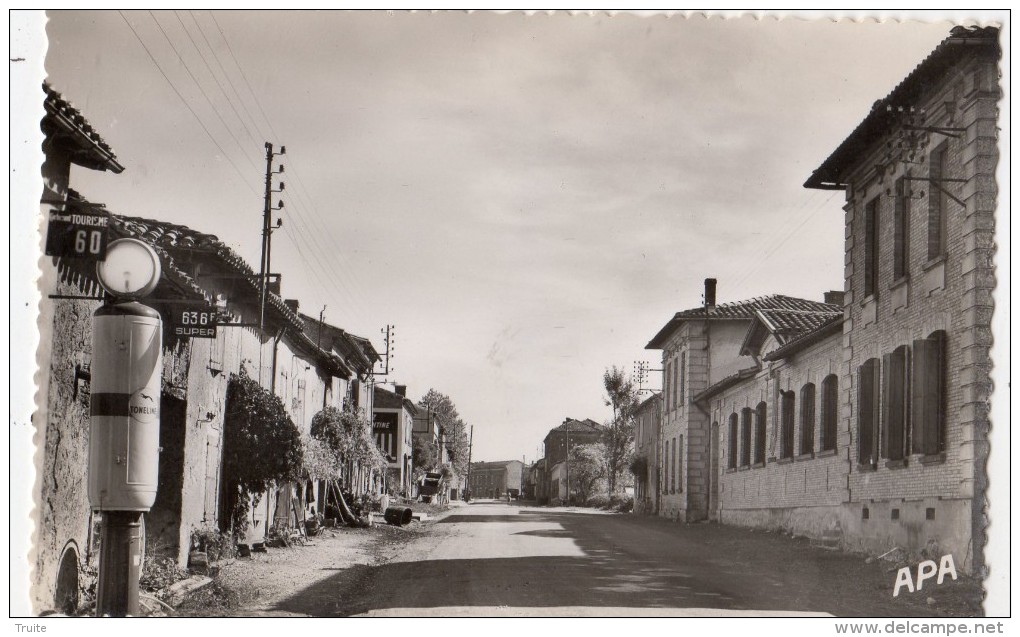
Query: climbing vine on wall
point(261, 445)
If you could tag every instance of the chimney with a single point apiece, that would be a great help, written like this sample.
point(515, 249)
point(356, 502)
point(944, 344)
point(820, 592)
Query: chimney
point(710, 292)
point(401, 390)
point(292, 304)
point(834, 297)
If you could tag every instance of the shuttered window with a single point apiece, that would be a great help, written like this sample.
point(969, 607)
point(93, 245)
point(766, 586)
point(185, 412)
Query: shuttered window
point(664, 473)
point(871, 248)
point(786, 424)
point(830, 407)
point(895, 388)
point(667, 390)
point(680, 465)
point(928, 394)
point(937, 202)
point(676, 368)
point(733, 441)
point(901, 229)
point(682, 383)
point(672, 466)
point(745, 437)
point(807, 418)
point(868, 414)
point(760, 413)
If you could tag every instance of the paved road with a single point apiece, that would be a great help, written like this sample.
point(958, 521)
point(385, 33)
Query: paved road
point(490, 558)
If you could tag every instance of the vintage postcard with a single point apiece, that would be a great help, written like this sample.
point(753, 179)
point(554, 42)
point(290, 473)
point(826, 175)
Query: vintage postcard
point(508, 314)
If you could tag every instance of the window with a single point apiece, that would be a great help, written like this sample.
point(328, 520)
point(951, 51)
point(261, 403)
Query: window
point(745, 437)
point(807, 419)
point(928, 395)
point(937, 202)
point(668, 397)
point(868, 414)
point(759, 433)
point(830, 407)
point(871, 248)
point(675, 369)
point(786, 424)
point(672, 466)
point(681, 384)
point(664, 473)
point(733, 441)
point(680, 465)
point(901, 230)
point(897, 406)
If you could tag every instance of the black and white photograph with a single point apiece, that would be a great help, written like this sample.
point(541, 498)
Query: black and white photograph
point(510, 314)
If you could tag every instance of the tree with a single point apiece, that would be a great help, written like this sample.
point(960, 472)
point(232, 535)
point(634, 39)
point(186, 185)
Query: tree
point(619, 434)
point(423, 453)
point(453, 427)
point(347, 437)
point(588, 467)
point(261, 445)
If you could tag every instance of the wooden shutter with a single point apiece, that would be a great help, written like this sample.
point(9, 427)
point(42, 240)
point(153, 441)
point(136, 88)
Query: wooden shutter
point(927, 387)
point(895, 402)
point(867, 418)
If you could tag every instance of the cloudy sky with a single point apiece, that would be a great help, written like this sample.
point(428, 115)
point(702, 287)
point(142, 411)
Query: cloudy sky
point(527, 198)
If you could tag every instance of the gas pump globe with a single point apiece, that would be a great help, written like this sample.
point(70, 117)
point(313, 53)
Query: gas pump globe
point(131, 269)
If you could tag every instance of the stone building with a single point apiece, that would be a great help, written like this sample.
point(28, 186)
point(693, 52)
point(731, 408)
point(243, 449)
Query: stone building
point(701, 347)
point(648, 425)
point(919, 177)
point(198, 271)
point(496, 479)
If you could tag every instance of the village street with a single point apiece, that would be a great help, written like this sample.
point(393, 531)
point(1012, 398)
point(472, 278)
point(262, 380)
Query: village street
point(491, 558)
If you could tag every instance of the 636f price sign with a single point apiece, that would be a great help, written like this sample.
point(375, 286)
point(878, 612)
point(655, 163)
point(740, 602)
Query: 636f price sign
point(77, 234)
point(193, 321)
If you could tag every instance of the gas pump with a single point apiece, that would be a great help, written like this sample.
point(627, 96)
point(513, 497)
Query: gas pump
point(123, 472)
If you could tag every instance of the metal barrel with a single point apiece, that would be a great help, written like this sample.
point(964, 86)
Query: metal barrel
point(397, 516)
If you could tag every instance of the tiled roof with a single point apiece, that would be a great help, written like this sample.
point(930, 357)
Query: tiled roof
point(493, 464)
point(788, 325)
point(739, 310)
point(794, 345)
point(588, 425)
point(961, 41)
point(63, 119)
point(725, 383)
point(169, 239)
point(170, 236)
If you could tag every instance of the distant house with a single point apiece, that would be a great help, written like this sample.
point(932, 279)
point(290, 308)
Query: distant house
point(496, 479)
point(558, 443)
point(648, 426)
point(393, 425)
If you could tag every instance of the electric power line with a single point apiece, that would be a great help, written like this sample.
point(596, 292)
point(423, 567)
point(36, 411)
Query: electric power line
point(186, 104)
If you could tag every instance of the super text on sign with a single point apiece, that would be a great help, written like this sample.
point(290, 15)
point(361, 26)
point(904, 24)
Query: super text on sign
point(78, 234)
point(194, 321)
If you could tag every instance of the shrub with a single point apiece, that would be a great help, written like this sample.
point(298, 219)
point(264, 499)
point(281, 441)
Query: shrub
point(597, 501)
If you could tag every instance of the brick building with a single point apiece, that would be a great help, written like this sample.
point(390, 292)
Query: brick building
point(862, 420)
point(496, 479)
point(919, 178)
point(700, 348)
point(558, 442)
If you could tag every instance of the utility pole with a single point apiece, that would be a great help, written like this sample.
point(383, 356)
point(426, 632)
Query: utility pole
point(267, 238)
point(471, 446)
